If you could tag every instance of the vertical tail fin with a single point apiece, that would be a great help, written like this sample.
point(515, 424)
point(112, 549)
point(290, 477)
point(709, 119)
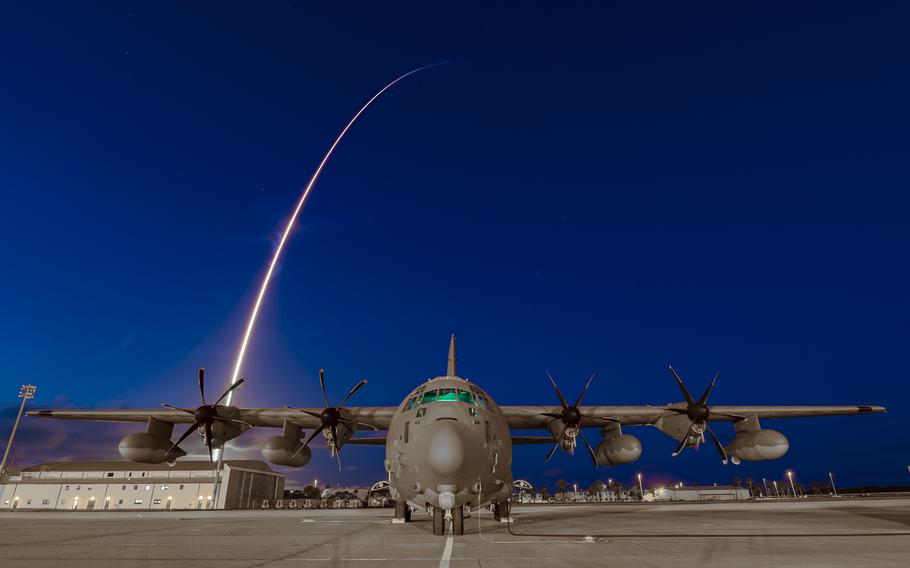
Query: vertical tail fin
point(450, 371)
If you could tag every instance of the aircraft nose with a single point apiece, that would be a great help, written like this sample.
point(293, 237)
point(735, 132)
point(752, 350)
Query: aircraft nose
point(446, 448)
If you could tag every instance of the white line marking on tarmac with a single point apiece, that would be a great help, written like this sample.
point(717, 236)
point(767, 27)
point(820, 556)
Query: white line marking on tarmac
point(446, 553)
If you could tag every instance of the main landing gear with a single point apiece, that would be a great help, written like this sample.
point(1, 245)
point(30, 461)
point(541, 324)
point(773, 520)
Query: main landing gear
point(402, 511)
point(501, 511)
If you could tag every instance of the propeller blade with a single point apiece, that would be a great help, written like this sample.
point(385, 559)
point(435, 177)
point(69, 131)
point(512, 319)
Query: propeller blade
point(335, 448)
point(202, 385)
point(308, 412)
point(590, 449)
point(685, 439)
point(704, 397)
point(322, 384)
point(682, 387)
point(558, 441)
point(208, 441)
point(308, 440)
point(180, 409)
point(562, 399)
point(356, 388)
point(229, 390)
point(720, 448)
point(184, 437)
point(584, 392)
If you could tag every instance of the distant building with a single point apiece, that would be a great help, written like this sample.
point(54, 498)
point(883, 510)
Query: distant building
point(121, 485)
point(698, 493)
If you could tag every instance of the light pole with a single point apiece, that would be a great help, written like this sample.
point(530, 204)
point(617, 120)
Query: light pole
point(776, 490)
point(641, 488)
point(575, 487)
point(26, 392)
point(792, 487)
point(833, 487)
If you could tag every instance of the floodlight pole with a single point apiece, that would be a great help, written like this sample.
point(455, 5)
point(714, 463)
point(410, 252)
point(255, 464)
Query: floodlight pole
point(833, 487)
point(26, 392)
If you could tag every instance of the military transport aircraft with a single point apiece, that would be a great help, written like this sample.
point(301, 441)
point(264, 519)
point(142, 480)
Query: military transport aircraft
point(448, 444)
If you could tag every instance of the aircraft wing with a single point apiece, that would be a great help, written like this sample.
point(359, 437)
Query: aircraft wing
point(532, 417)
point(369, 417)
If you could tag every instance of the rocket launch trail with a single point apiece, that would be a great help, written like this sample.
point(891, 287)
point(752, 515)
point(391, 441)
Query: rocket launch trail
point(292, 220)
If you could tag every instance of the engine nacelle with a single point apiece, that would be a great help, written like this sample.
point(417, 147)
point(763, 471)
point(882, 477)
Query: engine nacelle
point(143, 447)
point(279, 449)
point(761, 445)
point(618, 450)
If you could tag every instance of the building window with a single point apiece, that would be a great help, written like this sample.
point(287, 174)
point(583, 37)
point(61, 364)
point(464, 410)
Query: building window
point(181, 487)
point(110, 474)
point(156, 502)
point(137, 502)
point(147, 487)
point(120, 502)
point(45, 501)
point(123, 488)
point(67, 488)
point(164, 487)
point(89, 487)
point(28, 501)
point(135, 487)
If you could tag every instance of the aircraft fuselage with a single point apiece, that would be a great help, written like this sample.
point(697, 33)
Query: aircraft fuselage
point(449, 445)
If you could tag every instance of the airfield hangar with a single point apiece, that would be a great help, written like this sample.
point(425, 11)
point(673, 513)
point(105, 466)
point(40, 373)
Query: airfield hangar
point(122, 485)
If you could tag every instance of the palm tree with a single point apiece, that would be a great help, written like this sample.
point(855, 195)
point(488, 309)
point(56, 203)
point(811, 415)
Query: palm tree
point(561, 484)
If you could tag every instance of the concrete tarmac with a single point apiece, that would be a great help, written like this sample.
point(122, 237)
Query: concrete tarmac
point(869, 533)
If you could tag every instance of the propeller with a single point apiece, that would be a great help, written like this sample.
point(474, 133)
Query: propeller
point(206, 415)
point(329, 418)
point(571, 417)
point(698, 413)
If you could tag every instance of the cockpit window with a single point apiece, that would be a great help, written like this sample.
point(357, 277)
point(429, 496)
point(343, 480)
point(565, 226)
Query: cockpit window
point(465, 396)
point(482, 402)
point(428, 397)
point(412, 402)
point(447, 395)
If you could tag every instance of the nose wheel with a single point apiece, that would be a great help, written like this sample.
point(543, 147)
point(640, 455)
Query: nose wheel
point(458, 521)
point(439, 521)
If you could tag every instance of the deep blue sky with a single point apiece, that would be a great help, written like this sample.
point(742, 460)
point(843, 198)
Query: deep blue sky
point(602, 188)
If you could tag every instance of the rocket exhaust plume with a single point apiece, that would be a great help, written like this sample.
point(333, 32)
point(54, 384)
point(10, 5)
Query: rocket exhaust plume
point(263, 288)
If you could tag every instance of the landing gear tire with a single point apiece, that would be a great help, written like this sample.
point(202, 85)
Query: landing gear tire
point(439, 521)
point(500, 511)
point(458, 521)
point(402, 511)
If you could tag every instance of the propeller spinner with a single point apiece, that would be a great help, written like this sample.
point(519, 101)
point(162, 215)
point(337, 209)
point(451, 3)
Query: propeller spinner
point(206, 415)
point(698, 413)
point(329, 418)
point(571, 418)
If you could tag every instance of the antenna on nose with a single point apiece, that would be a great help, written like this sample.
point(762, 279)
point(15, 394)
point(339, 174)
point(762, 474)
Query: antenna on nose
point(450, 372)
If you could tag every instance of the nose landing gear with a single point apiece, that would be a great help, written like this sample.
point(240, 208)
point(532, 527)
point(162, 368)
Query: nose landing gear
point(440, 516)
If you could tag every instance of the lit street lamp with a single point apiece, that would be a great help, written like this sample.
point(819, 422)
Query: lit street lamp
point(575, 487)
point(26, 392)
point(792, 487)
point(641, 488)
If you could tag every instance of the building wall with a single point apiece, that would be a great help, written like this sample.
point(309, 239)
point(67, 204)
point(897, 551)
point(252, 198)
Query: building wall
point(139, 490)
